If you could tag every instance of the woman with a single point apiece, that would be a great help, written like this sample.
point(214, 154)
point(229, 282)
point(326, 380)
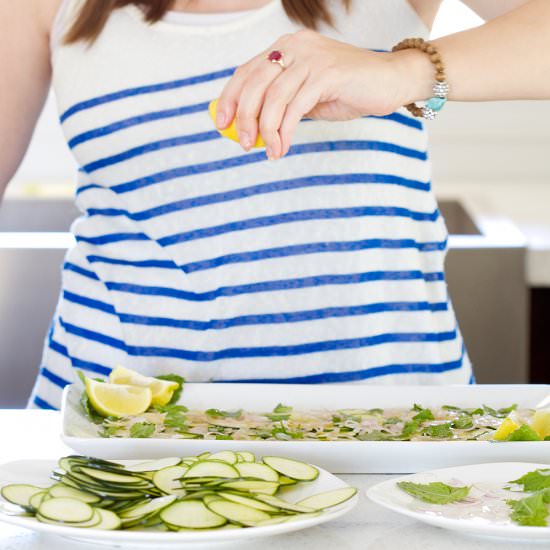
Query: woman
point(196, 257)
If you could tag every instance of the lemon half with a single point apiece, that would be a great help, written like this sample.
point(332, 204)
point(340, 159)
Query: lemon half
point(231, 131)
point(117, 399)
point(161, 390)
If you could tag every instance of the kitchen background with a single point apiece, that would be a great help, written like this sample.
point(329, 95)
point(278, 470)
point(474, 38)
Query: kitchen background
point(492, 177)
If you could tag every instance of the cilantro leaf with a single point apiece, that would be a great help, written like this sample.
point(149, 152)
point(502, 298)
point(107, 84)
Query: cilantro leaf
point(108, 431)
point(463, 422)
point(531, 510)
point(174, 416)
point(177, 392)
point(535, 480)
point(423, 414)
point(409, 428)
point(142, 429)
point(439, 431)
point(435, 492)
point(224, 414)
point(280, 412)
point(523, 433)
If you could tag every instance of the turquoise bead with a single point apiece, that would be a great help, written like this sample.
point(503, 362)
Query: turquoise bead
point(436, 103)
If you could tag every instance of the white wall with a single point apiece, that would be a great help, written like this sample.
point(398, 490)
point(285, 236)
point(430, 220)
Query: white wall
point(470, 142)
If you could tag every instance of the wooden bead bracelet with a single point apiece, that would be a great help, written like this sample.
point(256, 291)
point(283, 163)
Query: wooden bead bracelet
point(440, 89)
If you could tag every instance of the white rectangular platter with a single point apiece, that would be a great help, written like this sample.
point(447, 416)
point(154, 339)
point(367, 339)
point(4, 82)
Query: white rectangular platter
point(335, 456)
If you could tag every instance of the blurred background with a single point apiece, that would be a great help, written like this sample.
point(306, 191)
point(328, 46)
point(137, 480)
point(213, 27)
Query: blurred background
point(491, 175)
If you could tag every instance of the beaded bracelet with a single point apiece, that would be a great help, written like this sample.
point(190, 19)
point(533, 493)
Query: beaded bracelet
point(441, 86)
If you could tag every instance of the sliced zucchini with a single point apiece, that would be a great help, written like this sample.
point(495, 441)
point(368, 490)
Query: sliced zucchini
point(92, 522)
point(112, 477)
point(246, 456)
point(225, 456)
point(109, 521)
point(66, 510)
point(238, 513)
point(284, 505)
point(191, 514)
point(151, 507)
point(328, 499)
point(20, 494)
point(257, 471)
point(203, 456)
point(60, 490)
point(168, 480)
point(283, 481)
point(293, 469)
point(36, 500)
point(263, 487)
point(211, 468)
point(248, 501)
point(275, 520)
point(154, 465)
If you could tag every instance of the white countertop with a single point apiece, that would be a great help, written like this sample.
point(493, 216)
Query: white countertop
point(35, 434)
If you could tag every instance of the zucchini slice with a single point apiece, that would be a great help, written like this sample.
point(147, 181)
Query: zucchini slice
point(257, 471)
point(191, 514)
point(36, 500)
point(66, 510)
point(112, 477)
point(225, 456)
point(154, 465)
point(284, 505)
point(109, 521)
point(248, 501)
point(264, 487)
point(211, 468)
point(246, 456)
point(168, 480)
point(292, 468)
point(151, 507)
point(20, 494)
point(60, 490)
point(239, 513)
point(327, 499)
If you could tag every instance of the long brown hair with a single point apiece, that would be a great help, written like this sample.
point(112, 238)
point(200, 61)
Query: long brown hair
point(94, 14)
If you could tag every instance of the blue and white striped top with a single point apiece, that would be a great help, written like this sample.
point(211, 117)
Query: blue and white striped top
point(195, 257)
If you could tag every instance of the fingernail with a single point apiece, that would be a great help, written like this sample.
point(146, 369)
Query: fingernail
point(269, 153)
point(244, 139)
point(220, 119)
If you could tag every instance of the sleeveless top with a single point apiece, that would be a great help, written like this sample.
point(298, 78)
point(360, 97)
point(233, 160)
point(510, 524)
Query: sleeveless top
point(195, 257)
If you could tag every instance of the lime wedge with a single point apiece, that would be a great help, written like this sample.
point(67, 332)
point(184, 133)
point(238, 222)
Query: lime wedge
point(161, 390)
point(116, 399)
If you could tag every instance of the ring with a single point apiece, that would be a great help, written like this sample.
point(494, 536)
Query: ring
point(276, 56)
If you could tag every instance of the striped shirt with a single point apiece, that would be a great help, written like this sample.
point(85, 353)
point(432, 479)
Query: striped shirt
point(195, 257)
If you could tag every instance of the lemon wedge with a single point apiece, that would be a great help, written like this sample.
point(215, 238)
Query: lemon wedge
point(161, 390)
point(541, 423)
point(117, 399)
point(231, 131)
point(505, 429)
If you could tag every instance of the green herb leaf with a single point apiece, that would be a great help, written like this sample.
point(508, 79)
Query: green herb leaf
point(177, 392)
point(439, 431)
point(409, 429)
point(89, 412)
point(531, 511)
point(500, 413)
point(435, 492)
point(108, 431)
point(174, 416)
point(224, 414)
point(463, 422)
point(423, 414)
point(376, 435)
point(524, 433)
point(392, 420)
point(280, 408)
point(142, 429)
point(535, 480)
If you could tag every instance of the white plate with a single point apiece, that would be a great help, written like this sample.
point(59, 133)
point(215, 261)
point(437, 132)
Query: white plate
point(335, 456)
point(36, 472)
point(491, 519)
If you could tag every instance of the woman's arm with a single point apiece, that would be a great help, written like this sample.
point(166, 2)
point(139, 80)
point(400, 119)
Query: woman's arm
point(25, 70)
point(505, 58)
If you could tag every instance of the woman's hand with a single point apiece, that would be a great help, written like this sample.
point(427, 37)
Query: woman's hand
point(323, 79)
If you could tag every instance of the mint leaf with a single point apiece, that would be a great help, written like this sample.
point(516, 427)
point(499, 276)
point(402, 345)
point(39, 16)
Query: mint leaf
point(177, 392)
point(530, 511)
point(435, 492)
point(523, 433)
point(224, 414)
point(174, 416)
point(463, 422)
point(377, 435)
point(280, 412)
point(423, 414)
point(439, 431)
point(500, 413)
point(142, 429)
point(409, 429)
point(280, 408)
point(535, 480)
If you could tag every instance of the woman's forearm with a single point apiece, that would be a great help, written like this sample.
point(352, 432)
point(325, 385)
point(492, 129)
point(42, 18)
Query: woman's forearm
point(506, 58)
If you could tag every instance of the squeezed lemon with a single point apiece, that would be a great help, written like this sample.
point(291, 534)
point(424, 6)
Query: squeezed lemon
point(118, 399)
point(161, 390)
point(231, 131)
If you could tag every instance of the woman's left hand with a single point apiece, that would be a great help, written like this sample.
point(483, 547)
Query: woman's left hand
point(322, 79)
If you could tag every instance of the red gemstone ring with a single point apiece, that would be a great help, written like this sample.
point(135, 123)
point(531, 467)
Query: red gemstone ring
point(276, 56)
